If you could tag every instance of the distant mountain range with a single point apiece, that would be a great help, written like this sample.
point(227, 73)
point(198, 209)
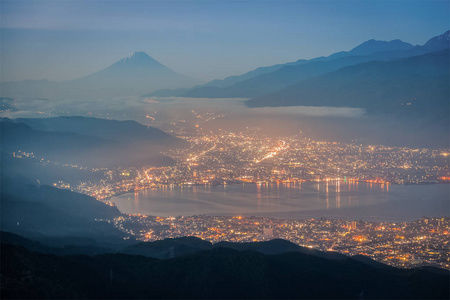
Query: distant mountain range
point(133, 75)
point(139, 74)
point(217, 88)
point(263, 83)
point(87, 141)
point(415, 86)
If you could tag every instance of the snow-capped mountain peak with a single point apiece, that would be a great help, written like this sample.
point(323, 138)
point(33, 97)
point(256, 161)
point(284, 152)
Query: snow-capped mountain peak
point(140, 57)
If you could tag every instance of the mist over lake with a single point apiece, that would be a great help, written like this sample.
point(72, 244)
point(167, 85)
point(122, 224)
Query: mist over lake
point(342, 124)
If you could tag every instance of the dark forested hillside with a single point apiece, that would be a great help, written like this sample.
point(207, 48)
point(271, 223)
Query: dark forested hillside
point(217, 273)
point(33, 210)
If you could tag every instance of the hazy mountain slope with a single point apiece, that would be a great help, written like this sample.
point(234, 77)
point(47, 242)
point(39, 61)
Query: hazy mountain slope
point(229, 81)
point(255, 83)
point(217, 273)
point(34, 169)
point(380, 87)
point(373, 46)
point(215, 88)
point(133, 75)
point(403, 50)
point(212, 85)
point(273, 79)
point(437, 43)
point(88, 141)
point(276, 80)
point(19, 136)
point(28, 209)
point(289, 74)
point(101, 128)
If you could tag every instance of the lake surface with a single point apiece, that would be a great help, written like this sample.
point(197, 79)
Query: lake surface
point(347, 200)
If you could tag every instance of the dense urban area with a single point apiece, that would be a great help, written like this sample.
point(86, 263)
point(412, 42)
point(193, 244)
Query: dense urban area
point(248, 156)
point(419, 243)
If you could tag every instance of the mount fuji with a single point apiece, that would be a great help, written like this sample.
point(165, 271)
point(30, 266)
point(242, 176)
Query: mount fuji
point(141, 67)
point(133, 75)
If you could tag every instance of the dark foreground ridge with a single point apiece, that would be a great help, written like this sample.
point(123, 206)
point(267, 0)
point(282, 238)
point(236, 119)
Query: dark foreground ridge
point(218, 272)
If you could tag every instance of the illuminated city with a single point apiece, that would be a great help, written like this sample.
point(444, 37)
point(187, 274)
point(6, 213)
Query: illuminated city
point(225, 157)
point(248, 156)
point(225, 149)
point(403, 244)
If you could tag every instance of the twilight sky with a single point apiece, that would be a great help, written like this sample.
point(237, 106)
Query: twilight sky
point(67, 39)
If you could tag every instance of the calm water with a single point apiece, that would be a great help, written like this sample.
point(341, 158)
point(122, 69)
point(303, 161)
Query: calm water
point(348, 200)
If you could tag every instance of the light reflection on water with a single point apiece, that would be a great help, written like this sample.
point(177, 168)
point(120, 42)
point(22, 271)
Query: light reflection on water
point(308, 199)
